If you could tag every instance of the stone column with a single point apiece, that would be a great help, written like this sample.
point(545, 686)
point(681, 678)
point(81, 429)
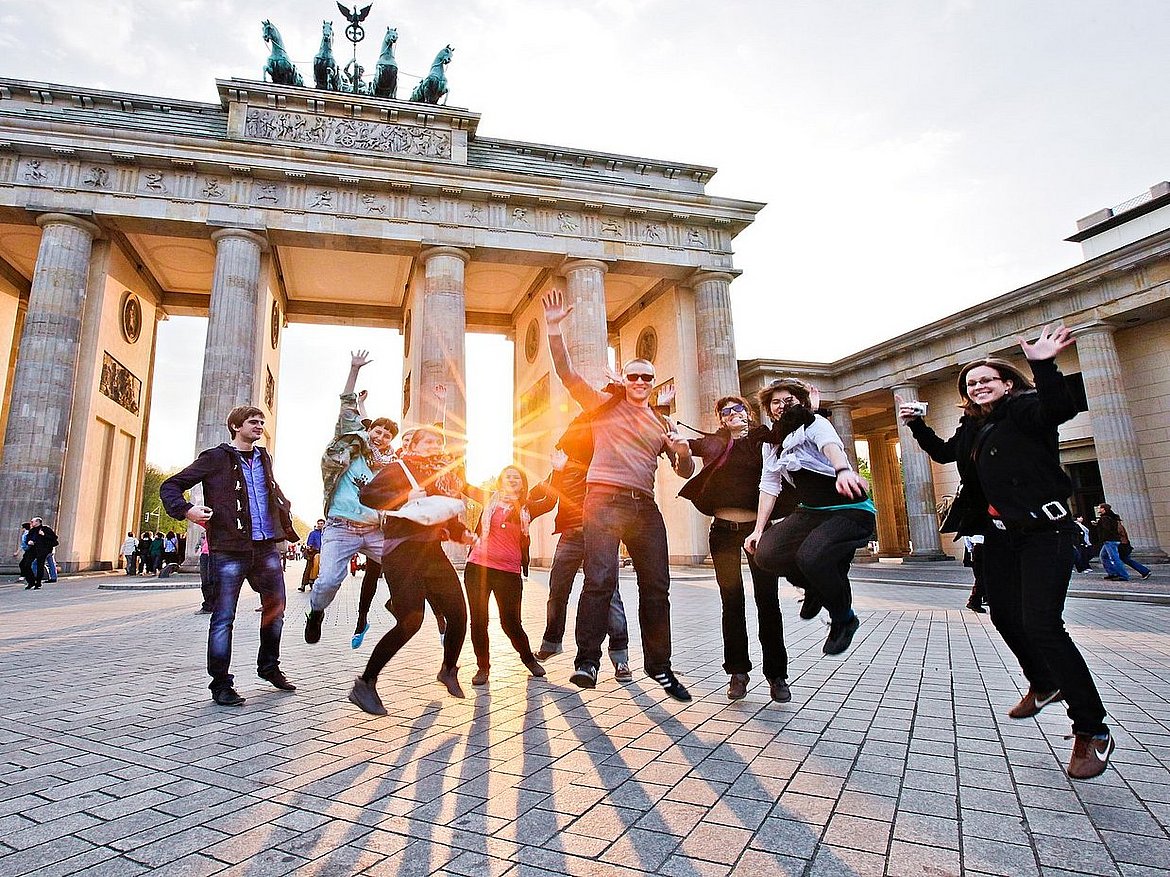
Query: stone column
point(586, 330)
point(440, 334)
point(1123, 473)
point(918, 483)
point(37, 432)
point(842, 418)
point(234, 321)
point(886, 496)
point(718, 369)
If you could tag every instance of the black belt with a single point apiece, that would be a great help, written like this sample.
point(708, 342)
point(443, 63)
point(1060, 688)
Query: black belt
point(733, 526)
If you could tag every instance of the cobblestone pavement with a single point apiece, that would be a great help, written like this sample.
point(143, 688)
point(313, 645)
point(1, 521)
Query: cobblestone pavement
point(895, 759)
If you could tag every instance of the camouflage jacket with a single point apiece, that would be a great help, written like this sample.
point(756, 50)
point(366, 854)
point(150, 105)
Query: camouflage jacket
point(349, 439)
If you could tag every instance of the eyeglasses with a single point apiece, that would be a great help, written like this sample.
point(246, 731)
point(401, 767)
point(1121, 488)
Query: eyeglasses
point(732, 409)
point(979, 382)
point(640, 376)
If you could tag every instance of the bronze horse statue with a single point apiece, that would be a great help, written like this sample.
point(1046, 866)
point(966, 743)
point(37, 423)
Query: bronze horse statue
point(385, 82)
point(279, 67)
point(434, 86)
point(325, 73)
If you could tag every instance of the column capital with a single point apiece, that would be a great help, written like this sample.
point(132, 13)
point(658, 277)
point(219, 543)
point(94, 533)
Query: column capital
point(570, 265)
point(442, 250)
point(701, 277)
point(46, 219)
point(259, 240)
point(1097, 327)
point(903, 388)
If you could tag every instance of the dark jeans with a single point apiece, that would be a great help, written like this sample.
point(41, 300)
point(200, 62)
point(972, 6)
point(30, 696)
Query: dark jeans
point(261, 567)
point(979, 570)
point(417, 572)
point(368, 591)
point(612, 516)
point(206, 583)
point(1125, 552)
point(30, 568)
point(567, 560)
point(727, 553)
point(1027, 581)
point(814, 548)
point(481, 582)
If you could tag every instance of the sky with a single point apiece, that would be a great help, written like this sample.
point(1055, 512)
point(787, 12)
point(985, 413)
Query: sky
point(916, 156)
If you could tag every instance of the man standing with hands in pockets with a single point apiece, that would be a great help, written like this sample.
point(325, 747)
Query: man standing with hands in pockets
point(247, 518)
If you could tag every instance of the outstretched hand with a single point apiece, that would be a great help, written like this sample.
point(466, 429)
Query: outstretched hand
point(666, 395)
point(359, 359)
point(1048, 345)
point(440, 391)
point(814, 398)
point(555, 309)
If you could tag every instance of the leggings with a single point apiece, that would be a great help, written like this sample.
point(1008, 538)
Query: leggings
point(420, 571)
point(509, 589)
point(370, 589)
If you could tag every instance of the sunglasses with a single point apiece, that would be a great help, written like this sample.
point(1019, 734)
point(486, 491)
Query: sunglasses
point(640, 376)
point(732, 409)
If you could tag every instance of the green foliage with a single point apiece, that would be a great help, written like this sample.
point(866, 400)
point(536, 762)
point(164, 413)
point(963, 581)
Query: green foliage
point(152, 516)
point(863, 470)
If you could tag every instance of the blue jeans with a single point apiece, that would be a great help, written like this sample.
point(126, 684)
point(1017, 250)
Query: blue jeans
point(614, 515)
point(49, 571)
point(1111, 560)
point(567, 561)
point(341, 540)
point(261, 567)
point(1125, 552)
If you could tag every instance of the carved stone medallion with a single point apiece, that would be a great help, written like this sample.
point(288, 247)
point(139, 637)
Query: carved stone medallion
point(647, 346)
point(274, 329)
point(131, 317)
point(532, 341)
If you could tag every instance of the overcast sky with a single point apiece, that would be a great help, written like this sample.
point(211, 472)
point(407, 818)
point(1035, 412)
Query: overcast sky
point(917, 156)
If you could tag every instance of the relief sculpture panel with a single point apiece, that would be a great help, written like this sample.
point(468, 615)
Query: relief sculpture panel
point(328, 131)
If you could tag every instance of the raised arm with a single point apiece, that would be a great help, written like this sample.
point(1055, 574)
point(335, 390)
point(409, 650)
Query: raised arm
point(555, 312)
point(1056, 402)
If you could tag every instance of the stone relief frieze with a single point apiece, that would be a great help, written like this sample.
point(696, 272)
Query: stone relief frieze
point(36, 171)
point(290, 127)
point(97, 177)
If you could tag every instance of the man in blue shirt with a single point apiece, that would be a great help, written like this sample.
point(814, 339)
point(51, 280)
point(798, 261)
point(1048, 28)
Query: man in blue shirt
point(311, 549)
point(247, 519)
point(357, 451)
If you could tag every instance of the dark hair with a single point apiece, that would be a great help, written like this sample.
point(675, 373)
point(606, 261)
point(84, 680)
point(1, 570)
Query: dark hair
point(238, 415)
point(1021, 383)
point(795, 386)
point(385, 423)
point(748, 407)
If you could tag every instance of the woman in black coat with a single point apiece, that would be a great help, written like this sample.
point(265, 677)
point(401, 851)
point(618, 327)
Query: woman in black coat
point(1015, 492)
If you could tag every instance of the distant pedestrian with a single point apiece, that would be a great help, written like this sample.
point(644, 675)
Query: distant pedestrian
point(311, 550)
point(1109, 532)
point(157, 550)
point(170, 548)
point(144, 540)
point(1125, 552)
point(129, 551)
point(34, 564)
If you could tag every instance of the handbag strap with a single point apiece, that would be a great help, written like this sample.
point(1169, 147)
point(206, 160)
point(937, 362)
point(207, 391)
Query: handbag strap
point(409, 475)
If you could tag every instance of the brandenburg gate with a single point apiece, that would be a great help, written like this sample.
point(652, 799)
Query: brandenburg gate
point(283, 204)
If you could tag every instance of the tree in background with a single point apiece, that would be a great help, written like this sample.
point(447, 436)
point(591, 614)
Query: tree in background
point(152, 516)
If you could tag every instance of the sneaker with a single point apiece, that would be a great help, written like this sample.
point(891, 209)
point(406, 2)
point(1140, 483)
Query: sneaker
point(672, 686)
point(622, 672)
point(737, 688)
point(545, 654)
point(841, 635)
point(810, 607)
point(279, 680)
point(779, 690)
point(534, 668)
point(449, 676)
point(1090, 755)
point(584, 676)
point(356, 641)
point(1031, 703)
point(227, 697)
point(480, 677)
point(364, 695)
point(1147, 574)
point(313, 619)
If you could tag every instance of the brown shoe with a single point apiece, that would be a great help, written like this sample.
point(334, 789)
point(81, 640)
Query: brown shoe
point(737, 688)
point(1031, 703)
point(449, 676)
point(1090, 755)
point(534, 668)
point(779, 690)
point(480, 677)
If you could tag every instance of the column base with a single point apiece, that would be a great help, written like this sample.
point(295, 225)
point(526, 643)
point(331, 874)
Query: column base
point(932, 557)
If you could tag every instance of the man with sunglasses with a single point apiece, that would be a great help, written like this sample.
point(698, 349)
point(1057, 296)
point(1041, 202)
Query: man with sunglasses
point(628, 437)
point(727, 490)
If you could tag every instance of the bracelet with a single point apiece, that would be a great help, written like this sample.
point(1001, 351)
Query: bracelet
point(843, 469)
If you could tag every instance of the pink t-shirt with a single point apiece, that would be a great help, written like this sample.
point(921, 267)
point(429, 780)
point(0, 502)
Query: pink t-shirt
point(500, 548)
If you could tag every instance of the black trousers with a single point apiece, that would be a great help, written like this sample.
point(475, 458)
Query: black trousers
point(1027, 581)
point(420, 571)
point(30, 569)
point(813, 548)
point(481, 582)
point(727, 553)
